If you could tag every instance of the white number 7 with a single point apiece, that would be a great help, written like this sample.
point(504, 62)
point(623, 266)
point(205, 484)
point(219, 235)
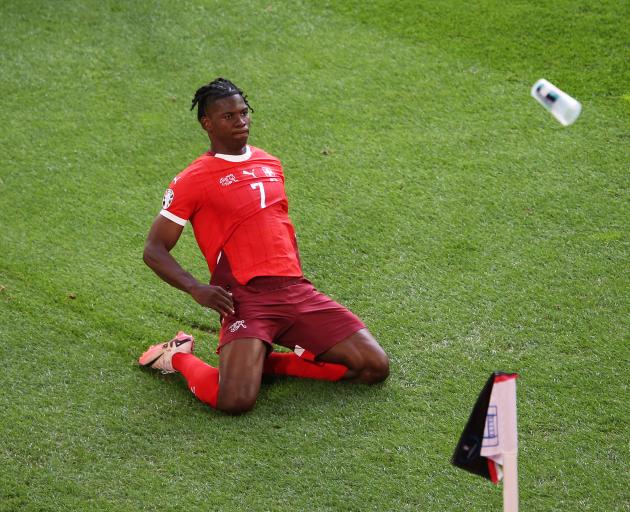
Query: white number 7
point(262, 192)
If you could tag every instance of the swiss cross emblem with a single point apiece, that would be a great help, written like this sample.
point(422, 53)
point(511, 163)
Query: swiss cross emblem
point(237, 325)
point(227, 180)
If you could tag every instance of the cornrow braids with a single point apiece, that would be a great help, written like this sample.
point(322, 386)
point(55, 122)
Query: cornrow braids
point(215, 90)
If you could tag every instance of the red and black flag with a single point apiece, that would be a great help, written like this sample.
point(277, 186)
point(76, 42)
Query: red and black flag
point(491, 429)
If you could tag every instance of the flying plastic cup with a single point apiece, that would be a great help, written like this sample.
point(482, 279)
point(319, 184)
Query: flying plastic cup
point(562, 106)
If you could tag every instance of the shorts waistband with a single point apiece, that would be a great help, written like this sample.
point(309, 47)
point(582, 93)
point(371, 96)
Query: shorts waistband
point(268, 283)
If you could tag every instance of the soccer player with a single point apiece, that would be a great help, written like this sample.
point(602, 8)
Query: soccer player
point(234, 198)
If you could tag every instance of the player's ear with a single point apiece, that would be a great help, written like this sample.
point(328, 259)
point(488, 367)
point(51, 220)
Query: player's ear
point(205, 122)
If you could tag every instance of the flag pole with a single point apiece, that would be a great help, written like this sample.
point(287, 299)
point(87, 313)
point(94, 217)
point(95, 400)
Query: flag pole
point(510, 482)
point(510, 464)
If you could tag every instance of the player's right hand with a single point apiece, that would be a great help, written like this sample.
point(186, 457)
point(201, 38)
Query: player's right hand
point(213, 297)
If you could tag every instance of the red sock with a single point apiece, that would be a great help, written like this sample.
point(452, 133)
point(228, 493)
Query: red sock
point(288, 363)
point(203, 379)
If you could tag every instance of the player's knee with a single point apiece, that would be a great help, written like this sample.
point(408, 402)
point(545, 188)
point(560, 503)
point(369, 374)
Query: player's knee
point(237, 405)
point(376, 369)
point(236, 399)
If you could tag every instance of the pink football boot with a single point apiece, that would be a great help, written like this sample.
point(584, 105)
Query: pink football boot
point(160, 356)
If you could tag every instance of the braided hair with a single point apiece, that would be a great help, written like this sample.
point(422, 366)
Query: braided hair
point(215, 90)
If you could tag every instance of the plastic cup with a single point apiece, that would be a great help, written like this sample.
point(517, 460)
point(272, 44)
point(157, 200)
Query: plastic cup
point(562, 106)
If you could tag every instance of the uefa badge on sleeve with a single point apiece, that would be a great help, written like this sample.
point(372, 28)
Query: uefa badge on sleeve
point(168, 198)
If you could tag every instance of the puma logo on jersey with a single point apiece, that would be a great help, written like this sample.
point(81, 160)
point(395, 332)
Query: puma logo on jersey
point(228, 180)
point(249, 173)
point(237, 325)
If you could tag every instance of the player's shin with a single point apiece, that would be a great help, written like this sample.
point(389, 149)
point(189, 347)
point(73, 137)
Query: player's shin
point(203, 379)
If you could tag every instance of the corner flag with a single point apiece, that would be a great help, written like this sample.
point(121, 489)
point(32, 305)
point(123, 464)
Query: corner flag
point(489, 443)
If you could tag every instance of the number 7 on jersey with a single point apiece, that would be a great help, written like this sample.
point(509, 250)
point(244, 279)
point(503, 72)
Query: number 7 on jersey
point(262, 192)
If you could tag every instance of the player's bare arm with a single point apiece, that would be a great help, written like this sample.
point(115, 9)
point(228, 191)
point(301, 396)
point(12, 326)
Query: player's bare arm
point(163, 236)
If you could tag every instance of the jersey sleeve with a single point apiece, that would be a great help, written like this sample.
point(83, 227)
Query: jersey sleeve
point(180, 200)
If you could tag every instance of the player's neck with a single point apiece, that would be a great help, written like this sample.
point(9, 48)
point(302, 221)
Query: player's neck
point(225, 150)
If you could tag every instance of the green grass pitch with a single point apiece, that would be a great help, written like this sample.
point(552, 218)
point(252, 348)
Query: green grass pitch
point(431, 194)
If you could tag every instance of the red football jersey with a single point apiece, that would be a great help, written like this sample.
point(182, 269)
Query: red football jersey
point(237, 205)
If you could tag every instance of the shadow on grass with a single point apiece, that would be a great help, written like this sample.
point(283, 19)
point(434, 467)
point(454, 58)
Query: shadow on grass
point(280, 399)
point(190, 323)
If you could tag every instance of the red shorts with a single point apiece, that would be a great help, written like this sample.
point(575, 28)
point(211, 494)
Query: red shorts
point(288, 312)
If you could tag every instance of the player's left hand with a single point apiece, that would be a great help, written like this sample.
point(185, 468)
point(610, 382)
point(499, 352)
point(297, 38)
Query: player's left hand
point(213, 297)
